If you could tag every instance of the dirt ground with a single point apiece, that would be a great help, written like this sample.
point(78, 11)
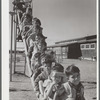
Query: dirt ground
point(21, 88)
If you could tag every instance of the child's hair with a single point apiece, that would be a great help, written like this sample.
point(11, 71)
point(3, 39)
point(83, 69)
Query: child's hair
point(45, 58)
point(28, 9)
point(37, 20)
point(58, 67)
point(37, 55)
point(71, 69)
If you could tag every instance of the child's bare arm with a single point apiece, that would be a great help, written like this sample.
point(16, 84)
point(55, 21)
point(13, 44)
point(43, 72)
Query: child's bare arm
point(41, 76)
point(49, 91)
point(55, 96)
point(59, 93)
point(31, 27)
point(41, 88)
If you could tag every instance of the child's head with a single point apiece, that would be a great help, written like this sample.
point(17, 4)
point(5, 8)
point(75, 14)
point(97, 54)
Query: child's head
point(73, 74)
point(56, 73)
point(36, 22)
point(37, 38)
point(37, 29)
point(42, 45)
point(58, 68)
point(29, 10)
point(37, 58)
point(46, 61)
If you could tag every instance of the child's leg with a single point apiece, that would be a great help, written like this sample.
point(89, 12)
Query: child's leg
point(32, 66)
point(33, 80)
point(41, 97)
point(41, 88)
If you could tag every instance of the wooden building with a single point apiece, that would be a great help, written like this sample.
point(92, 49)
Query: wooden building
point(84, 47)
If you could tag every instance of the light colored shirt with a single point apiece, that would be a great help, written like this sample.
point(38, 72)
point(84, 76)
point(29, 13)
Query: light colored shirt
point(55, 88)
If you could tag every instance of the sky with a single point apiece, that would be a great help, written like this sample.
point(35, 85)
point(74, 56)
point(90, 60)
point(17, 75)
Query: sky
point(65, 19)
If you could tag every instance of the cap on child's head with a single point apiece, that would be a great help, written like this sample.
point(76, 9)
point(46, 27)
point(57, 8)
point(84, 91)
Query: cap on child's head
point(58, 67)
point(71, 69)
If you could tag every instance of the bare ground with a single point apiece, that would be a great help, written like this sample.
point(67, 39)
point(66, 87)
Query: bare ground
point(21, 88)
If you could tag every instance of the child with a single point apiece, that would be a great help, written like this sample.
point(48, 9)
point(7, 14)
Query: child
point(36, 26)
point(36, 31)
point(45, 61)
point(26, 20)
point(73, 88)
point(36, 46)
point(36, 62)
point(46, 66)
point(53, 83)
point(20, 5)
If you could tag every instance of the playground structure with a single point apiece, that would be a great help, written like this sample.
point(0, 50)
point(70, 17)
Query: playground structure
point(28, 29)
point(16, 27)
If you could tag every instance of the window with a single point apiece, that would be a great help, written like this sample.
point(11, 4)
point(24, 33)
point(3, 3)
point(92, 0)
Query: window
point(82, 46)
point(92, 46)
point(87, 46)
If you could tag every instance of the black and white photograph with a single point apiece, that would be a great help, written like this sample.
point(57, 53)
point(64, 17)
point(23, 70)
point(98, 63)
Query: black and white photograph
point(52, 50)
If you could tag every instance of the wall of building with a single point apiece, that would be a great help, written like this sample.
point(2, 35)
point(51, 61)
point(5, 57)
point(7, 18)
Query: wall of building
point(74, 51)
point(88, 53)
point(89, 50)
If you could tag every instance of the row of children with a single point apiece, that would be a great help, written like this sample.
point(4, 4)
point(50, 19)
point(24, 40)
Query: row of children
point(28, 26)
point(30, 29)
point(52, 83)
point(49, 79)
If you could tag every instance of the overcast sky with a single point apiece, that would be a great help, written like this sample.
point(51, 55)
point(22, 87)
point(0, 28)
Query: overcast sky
point(65, 19)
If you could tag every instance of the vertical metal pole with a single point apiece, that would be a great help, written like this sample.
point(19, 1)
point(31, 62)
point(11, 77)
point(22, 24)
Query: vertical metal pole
point(15, 35)
point(11, 46)
point(61, 55)
point(25, 65)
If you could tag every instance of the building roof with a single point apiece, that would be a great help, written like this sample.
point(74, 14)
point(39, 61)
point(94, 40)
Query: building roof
point(88, 39)
point(77, 39)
